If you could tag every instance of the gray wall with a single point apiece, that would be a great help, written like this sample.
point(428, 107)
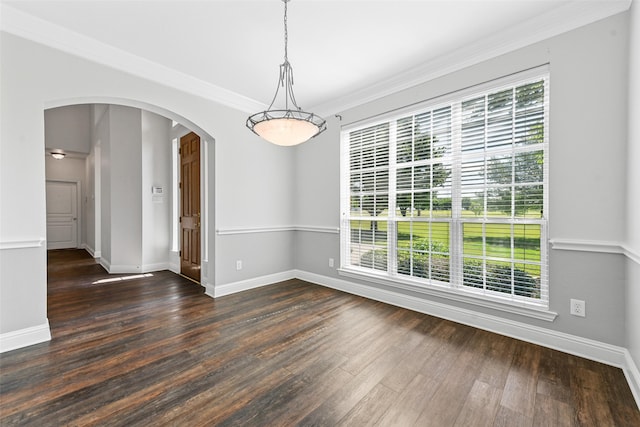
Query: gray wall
point(68, 128)
point(135, 155)
point(588, 117)
point(633, 192)
point(92, 205)
point(249, 182)
point(156, 172)
point(102, 134)
point(125, 194)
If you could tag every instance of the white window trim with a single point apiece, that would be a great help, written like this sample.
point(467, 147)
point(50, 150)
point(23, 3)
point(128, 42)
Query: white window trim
point(541, 313)
point(493, 300)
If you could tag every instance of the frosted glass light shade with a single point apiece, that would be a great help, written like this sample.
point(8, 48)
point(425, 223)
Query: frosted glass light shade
point(286, 127)
point(286, 132)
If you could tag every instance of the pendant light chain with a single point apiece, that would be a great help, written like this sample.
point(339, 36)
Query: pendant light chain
point(286, 70)
point(286, 33)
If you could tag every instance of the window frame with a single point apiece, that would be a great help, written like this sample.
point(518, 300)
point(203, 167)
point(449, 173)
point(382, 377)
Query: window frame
point(454, 289)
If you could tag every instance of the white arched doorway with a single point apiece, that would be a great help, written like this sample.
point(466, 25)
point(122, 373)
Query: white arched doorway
point(143, 210)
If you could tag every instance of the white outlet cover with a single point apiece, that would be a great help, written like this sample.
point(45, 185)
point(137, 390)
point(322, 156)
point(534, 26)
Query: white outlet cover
point(577, 308)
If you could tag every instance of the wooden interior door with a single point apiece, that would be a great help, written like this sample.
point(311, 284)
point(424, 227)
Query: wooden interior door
point(190, 206)
point(62, 215)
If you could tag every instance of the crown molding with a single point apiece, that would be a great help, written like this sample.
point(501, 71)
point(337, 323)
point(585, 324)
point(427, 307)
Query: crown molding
point(560, 20)
point(29, 27)
point(564, 18)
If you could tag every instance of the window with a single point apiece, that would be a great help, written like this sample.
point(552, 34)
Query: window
point(452, 195)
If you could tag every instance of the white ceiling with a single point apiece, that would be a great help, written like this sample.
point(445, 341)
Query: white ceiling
point(343, 52)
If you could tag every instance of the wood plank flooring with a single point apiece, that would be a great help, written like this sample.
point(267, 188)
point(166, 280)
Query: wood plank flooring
point(154, 351)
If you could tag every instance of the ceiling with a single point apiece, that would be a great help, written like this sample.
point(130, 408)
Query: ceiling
point(343, 52)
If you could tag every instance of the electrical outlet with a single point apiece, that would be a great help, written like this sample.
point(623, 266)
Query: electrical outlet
point(331, 263)
point(578, 308)
point(239, 265)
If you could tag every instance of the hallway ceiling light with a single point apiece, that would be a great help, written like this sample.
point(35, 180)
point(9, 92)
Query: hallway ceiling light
point(58, 155)
point(290, 126)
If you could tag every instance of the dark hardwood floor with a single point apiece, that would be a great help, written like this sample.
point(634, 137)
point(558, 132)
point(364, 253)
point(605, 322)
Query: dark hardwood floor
point(154, 351)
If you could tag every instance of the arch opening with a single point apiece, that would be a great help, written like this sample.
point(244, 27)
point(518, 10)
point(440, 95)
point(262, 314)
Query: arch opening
point(102, 221)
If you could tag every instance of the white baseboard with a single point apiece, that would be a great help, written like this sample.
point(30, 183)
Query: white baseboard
point(583, 347)
point(572, 344)
point(578, 346)
point(135, 269)
point(25, 337)
point(91, 251)
point(124, 269)
point(174, 261)
point(105, 264)
point(244, 285)
point(160, 266)
point(633, 376)
point(121, 268)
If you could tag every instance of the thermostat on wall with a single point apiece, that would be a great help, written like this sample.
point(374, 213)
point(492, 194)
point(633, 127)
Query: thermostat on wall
point(157, 194)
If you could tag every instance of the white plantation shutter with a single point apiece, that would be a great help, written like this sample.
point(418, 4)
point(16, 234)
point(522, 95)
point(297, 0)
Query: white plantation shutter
point(369, 193)
point(453, 194)
point(503, 178)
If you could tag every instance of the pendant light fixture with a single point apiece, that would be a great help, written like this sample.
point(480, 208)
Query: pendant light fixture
point(288, 126)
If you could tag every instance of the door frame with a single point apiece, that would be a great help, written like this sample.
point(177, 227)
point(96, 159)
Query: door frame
point(79, 207)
